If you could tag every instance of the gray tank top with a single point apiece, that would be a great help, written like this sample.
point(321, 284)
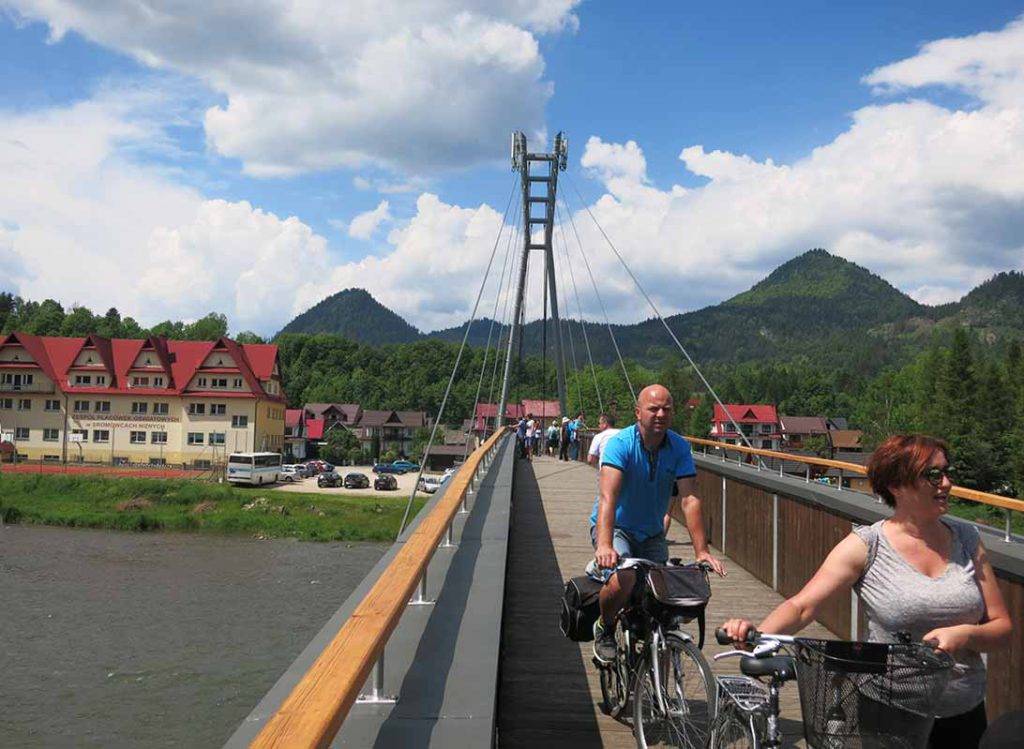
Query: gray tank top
point(897, 597)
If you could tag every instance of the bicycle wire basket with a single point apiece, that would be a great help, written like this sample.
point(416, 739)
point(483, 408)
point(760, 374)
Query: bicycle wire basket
point(868, 694)
point(748, 694)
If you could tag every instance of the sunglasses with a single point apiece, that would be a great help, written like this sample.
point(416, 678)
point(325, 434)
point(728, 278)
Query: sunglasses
point(934, 475)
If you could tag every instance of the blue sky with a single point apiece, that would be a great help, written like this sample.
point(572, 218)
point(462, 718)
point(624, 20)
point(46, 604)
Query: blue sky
point(277, 164)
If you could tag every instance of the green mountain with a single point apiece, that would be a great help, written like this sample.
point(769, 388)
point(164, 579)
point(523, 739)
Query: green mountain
point(355, 314)
point(816, 306)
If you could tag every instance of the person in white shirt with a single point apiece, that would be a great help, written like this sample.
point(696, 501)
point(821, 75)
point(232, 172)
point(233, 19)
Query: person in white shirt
point(531, 433)
point(606, 425)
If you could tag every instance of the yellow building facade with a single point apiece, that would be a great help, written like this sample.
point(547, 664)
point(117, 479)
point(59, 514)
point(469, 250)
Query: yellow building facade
point(138, 401)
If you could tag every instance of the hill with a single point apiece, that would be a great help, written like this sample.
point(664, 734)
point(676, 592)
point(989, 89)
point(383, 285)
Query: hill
point(816, 306)
point(355, 314)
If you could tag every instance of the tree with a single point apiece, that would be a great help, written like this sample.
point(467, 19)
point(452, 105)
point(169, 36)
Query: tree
point(247, 336)
point(339, 442)
point(209, 328)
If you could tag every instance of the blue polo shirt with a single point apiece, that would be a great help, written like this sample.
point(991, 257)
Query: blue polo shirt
point(647, 479)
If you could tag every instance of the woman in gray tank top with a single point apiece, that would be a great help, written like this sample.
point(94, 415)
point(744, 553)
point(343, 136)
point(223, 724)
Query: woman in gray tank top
point(918, 572)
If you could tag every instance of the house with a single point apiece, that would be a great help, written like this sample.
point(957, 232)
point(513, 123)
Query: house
point(758, 422)
point(847, 440)
point(484, 419)
point(383, 431)
point(797, 431)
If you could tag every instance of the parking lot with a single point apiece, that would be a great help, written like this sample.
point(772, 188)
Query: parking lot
point(405, 483)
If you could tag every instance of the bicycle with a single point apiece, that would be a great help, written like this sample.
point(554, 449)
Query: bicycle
point(860, 694)
point(658, 664)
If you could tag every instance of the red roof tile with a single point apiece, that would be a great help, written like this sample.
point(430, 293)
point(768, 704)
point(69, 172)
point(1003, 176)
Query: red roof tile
point(742, 413)
point(315, 429)
point(292, 417)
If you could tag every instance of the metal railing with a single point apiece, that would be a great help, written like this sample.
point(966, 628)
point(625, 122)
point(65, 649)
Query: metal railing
point(314, 711)
point(1007, 504)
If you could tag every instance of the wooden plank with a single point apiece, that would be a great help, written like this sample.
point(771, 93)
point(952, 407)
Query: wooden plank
point(1005, 691)
point(312, 714)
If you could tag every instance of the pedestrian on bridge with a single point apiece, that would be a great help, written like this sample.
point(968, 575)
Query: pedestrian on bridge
point(552, 437)
point(563, 439)
point(915, 572)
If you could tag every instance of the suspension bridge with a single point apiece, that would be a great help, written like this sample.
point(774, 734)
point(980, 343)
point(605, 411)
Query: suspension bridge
point(452, 639)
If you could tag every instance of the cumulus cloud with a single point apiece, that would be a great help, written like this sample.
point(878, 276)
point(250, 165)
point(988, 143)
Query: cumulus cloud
point(83, 225)
point(317, 85)
point(930, 197)
point(365, 224)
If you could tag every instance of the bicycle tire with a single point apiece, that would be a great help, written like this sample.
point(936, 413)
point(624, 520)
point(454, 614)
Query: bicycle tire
point(733, 730)
point(617, 678)
point(689, 691)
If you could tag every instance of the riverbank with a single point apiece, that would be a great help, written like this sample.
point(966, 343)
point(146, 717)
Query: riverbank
point(141, 504)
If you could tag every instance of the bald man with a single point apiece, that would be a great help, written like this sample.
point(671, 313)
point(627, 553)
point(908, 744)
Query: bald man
point(639, 468)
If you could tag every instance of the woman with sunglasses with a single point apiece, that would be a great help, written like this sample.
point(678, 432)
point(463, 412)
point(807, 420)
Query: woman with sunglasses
point(916, 571)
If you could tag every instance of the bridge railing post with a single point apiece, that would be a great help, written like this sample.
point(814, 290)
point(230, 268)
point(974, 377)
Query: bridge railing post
point(377, 695)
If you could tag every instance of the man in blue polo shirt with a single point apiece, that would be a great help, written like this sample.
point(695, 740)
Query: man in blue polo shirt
point(639, 468)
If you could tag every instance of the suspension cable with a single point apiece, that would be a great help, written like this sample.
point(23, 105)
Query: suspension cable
point(654, 308)
point(490, 331)
point(579, 307)
point(458, 360)
point(504, 331)
point(568, 324)
point(607, 322)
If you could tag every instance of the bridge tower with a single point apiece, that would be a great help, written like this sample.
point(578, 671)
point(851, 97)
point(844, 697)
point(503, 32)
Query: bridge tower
point(540, 170)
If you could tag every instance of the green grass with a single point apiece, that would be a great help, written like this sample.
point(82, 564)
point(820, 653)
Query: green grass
point(170, 504)
point(986, 514)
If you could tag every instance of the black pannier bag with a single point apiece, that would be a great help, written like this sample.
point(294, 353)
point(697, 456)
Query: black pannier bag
point(580, 608)
point(683, 590)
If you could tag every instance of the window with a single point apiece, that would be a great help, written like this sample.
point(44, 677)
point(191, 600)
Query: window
point(201, 382)
point(102, 407)
point(101, 379)
point(160, 409)
point(158, 382)
point(138, 438)
point(7, 403)
point(83, 379)
point(16, 380)
point(157, 462)
point(218, 409)
point(51, 459)
point(139, 407)
point(158, 438)
point(140, 382)
point(196, 409)
point(81, 405)
point(239, 422)
point(238, 382)
point(52, 405)
point(216, 438)
point(82, 434)
point(219, 382)
point(101, 435)
point(202, 465)
point(195, 438)
point(24, 404)
point(51, 435)
point(21, 433)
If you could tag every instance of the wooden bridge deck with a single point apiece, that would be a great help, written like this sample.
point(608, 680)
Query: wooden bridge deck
point(549, 689)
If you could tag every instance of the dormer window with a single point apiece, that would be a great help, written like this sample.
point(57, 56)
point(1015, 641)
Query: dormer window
point(83, 379)
point(201, 382)
point(101, 379)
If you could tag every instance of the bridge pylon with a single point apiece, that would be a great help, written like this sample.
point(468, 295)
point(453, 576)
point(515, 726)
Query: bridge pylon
point(539, 173)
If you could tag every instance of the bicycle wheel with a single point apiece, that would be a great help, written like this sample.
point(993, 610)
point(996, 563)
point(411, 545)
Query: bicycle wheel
point(733, 730)
point(684, 712)
point(617, 678)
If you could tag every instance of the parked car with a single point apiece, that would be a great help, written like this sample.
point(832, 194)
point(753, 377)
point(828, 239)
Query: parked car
point(328, 479)
point(357, 481)
point(430, 484)
point(380, 468)
point(404, 466)
point(304, 471)
point(289, 473)
point(385, 483)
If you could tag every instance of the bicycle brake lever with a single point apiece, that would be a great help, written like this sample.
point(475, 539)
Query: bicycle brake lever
point(728, 653)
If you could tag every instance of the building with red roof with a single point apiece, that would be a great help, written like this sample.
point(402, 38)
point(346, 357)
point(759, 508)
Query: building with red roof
point(757, 423)
point(147, 400)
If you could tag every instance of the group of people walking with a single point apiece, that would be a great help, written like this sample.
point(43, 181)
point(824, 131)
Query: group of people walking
point(561, 436)
point(916, 571)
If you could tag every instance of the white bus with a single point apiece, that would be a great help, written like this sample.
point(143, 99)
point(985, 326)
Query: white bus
point(254, 468)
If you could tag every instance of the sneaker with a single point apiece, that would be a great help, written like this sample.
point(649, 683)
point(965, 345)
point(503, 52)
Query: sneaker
point(604, 643)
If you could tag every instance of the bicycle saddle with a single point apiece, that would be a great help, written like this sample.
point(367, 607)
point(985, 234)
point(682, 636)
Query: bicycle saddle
point(781, 667)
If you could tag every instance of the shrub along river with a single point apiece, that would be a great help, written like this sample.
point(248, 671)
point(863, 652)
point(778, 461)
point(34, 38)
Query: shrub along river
point(116, 639)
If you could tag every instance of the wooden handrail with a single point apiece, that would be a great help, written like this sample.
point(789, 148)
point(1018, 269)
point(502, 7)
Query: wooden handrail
point(313, 713)
point(962, 492)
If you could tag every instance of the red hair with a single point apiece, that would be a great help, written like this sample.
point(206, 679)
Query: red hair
point(900, 461)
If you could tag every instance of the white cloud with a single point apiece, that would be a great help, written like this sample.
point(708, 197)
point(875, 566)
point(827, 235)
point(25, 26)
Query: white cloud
point(365, 224)
point(930, 197)
point(317, 84)
point(83, 225)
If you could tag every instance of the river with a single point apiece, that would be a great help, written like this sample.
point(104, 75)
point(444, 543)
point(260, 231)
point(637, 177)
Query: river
point(114, 639)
